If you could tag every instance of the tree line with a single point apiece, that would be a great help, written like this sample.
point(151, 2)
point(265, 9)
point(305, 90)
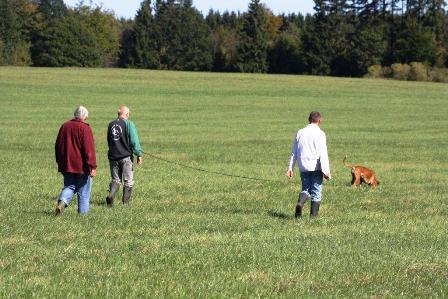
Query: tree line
point(341, 38)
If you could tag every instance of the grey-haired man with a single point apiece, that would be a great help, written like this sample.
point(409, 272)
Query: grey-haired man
point(75, 155)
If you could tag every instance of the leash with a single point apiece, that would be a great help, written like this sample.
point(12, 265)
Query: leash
point(214, 172)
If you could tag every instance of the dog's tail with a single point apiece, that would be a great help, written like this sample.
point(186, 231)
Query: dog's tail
point(347, 164)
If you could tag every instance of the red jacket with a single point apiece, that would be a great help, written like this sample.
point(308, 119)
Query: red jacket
point(75, 148)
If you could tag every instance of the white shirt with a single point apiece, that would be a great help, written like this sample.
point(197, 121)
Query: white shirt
point(310, 150)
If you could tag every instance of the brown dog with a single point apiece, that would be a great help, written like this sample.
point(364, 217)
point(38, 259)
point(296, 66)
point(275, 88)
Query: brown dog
point(361, 174)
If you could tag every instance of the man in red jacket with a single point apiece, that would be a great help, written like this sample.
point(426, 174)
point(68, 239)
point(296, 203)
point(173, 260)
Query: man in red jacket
point(75, 155)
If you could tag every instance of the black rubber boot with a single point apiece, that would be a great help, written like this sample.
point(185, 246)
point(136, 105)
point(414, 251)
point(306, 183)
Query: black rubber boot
point(127, 192)
point(113, 189)
point(314, 211)
point(300, 203)
point(298, 213)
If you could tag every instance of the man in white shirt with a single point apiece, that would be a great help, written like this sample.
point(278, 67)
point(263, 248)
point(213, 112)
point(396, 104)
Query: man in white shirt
point(310, 151)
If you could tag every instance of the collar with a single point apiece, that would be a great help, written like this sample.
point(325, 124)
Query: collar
point(80, 121)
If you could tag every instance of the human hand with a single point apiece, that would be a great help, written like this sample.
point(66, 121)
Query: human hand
point(93, 172)
point(139, 160)
point(289, 173)
point(327, 176)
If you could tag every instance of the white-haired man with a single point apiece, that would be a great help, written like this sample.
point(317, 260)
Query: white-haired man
point(75, 155)
point(310, 151)
point(124, 143)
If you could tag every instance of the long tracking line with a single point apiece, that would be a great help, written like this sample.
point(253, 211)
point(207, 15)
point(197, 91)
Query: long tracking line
point(215, 172)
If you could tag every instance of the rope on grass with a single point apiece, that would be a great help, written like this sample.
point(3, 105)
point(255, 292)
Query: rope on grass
point(215, 172)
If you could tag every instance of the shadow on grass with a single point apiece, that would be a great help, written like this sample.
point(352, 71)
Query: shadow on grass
point(100, 203)
point(45, 212)
point(242, 211)
point(40, 213)
point(279, 215)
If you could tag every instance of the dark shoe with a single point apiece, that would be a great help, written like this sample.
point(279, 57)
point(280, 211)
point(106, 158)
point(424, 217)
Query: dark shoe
point(314, 211)
point(60, 207)
point(113, 189)
point(298, 213)
point(127, 192)
point(109, 202)
point(303, 197)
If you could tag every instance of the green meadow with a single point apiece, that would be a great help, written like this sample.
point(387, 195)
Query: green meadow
point(196, 234)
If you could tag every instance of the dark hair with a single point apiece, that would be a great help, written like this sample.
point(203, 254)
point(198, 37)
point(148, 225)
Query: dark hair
point(314, 117)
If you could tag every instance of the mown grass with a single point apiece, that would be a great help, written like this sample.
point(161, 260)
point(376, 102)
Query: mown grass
point(192, 234)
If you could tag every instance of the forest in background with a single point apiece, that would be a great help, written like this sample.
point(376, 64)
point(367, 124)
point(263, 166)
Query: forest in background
point(402, 39)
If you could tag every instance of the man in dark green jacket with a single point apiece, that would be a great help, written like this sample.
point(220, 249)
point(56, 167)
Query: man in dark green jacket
point(124, 143)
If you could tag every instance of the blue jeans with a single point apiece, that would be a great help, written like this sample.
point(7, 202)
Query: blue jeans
point(80, 184)
point(312, 184)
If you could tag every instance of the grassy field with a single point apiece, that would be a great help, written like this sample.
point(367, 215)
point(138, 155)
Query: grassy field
point(192, 234)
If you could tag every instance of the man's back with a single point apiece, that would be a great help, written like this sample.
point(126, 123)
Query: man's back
point(118, 140)
point(310, 149)
point(74, 148)
point(308, 140)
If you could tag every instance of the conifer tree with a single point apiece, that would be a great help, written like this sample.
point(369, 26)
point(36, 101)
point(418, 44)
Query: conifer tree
point(252, 51)
point(52, 9)
point(144, 50)
point(126, 42)
point(326, 41)
point(183, 37)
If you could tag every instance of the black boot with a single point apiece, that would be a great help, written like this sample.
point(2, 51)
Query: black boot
point(127, 192)
point(298, 213)
point(113, 189)
point(300, 203)
point(314, 211)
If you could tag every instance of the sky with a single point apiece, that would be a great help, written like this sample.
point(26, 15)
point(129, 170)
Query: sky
point(128, 8)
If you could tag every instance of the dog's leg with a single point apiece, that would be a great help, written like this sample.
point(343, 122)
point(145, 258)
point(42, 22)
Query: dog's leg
point(353, 180)
point(357, 180)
